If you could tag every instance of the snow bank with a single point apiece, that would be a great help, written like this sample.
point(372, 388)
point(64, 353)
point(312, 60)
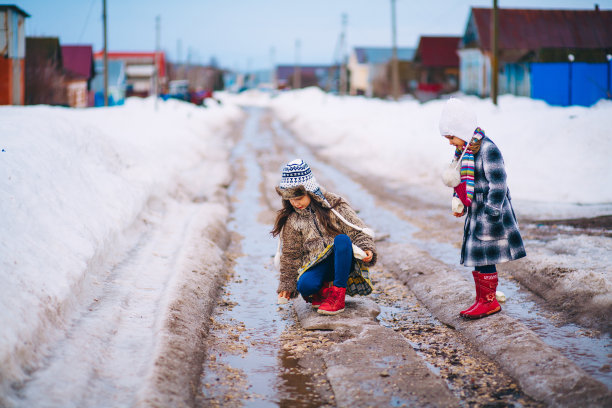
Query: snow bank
point(71, 182)
point(554, 155)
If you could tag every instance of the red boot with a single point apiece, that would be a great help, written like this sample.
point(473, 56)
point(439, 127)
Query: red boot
point(487, 303)
point(334, 303)
point(474, 274)
point(321, 295)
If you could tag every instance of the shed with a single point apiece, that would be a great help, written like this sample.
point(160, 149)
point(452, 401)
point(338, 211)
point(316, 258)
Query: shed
point(437, 63)
point(79, 70)
point(12, 55)
point(44, 72)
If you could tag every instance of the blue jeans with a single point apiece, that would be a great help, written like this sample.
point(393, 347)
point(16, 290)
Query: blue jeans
point(336, 268)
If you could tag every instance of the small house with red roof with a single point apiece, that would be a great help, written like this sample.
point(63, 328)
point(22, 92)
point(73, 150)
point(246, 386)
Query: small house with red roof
point(79, 71)
point(560, 56)
point(437, 64)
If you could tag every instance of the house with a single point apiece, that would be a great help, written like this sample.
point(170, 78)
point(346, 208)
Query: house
point(556, 55)
point(141, 69)
point(44, 72)
point(437, 64)
point(369, 69)
point(79, 71)
point(117, 83)
point(286, 76)
point(12, 55)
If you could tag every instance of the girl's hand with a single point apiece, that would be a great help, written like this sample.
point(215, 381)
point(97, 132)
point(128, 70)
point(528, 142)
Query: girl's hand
point(369, 256)
point(458, 214)
point(283, 297)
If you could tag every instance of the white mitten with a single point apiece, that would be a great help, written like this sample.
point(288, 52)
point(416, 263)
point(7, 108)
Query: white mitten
point(457, 206)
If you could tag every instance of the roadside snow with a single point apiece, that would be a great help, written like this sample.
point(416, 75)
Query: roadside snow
point(557, 159)
point(73, 184)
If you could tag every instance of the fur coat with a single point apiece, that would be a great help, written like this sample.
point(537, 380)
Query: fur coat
point(303, 239)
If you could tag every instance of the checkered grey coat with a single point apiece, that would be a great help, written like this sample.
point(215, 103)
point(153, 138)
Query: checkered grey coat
point(491, 235)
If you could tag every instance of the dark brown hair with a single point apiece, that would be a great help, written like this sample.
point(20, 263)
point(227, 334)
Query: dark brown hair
point(322, 214)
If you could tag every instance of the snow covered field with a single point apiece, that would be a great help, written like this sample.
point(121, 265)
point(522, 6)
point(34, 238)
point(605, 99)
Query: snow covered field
point(74, 184)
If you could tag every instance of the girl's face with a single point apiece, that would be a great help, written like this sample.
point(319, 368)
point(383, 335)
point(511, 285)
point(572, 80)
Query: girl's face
point(455, 141)
point(300, 202)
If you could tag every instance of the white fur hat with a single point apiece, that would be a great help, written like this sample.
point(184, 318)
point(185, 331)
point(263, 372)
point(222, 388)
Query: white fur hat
point(458, 119)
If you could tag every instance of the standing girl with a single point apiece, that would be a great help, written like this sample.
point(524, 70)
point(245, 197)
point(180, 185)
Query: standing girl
point(490, 234)
point(321, 236)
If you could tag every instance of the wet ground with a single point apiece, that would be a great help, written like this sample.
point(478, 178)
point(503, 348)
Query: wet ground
point(258, 355)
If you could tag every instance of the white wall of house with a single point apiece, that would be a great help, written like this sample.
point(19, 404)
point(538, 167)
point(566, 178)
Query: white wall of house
point(360, 76)
point(473, 72)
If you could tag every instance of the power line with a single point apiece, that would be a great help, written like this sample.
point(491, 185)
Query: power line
point(87, 20)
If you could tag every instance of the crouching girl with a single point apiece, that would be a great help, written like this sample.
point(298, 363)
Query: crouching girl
point(490, 234)
point(321, 239)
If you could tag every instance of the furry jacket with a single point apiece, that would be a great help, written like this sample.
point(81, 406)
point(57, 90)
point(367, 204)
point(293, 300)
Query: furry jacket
point(303, 239)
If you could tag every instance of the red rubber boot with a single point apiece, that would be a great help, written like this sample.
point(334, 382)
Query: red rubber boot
point(487, 303)
point(334, 303)
point(321, 295)
point(463, 312)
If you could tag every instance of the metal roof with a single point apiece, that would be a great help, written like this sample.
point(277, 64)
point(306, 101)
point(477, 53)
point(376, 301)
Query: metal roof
point(531, 29)
point(78, 60)
point(438, 51)
point(382, 55)
point(14, 7)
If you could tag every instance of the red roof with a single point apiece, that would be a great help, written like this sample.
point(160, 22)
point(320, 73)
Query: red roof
point(78, 60)
point(534, 29)
point(136, 56)
point(438, 51)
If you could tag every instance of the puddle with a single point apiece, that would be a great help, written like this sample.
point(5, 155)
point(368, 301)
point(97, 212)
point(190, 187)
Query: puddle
point(588, 350)
point(264, 375)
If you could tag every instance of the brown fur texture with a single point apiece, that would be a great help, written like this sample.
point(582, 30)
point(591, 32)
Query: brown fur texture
point(303, 238)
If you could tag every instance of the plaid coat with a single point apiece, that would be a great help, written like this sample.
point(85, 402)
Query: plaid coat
point(491, 234)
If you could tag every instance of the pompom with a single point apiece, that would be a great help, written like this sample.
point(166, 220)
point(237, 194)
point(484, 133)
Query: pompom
point(451, 176)
point(501, 297)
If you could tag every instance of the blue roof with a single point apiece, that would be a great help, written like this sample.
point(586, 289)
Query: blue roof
point(382, 55)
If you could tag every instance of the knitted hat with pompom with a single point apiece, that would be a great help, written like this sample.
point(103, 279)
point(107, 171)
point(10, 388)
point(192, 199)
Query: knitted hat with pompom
point(458, 120)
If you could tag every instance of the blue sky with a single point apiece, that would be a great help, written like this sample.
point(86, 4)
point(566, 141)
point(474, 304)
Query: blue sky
point(253, 34)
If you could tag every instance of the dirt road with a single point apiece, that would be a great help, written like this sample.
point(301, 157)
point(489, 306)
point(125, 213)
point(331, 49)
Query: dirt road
point(404, 345)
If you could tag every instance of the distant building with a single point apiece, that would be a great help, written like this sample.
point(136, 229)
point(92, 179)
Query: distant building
point(79, 71)
point(44, 72)
point(12, 55)
point(303, 76)
point(369, 70)
point(437, 63)
point(117, 83)
point(140, 70)
point(556, 55)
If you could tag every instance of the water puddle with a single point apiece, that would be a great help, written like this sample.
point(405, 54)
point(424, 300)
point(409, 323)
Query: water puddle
point(588, 350)
point(257, 372)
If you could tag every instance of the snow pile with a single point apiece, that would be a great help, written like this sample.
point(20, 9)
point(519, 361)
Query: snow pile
point(553, 155)
point(72, 182)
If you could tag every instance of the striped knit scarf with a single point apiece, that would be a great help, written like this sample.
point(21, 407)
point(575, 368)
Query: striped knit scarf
point(467, 163)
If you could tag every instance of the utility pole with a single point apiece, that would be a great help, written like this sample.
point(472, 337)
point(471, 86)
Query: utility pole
point(297, 74)
point(273, 67)
point(157, 59)
point(105, 53)
point(394, 61)
point(343, 79)
point(494, 53)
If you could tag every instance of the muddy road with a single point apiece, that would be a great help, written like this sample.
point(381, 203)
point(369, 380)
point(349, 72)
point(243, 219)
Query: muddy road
point(404, 345)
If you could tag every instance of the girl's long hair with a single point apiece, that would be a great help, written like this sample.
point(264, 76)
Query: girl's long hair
point(321, 213)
